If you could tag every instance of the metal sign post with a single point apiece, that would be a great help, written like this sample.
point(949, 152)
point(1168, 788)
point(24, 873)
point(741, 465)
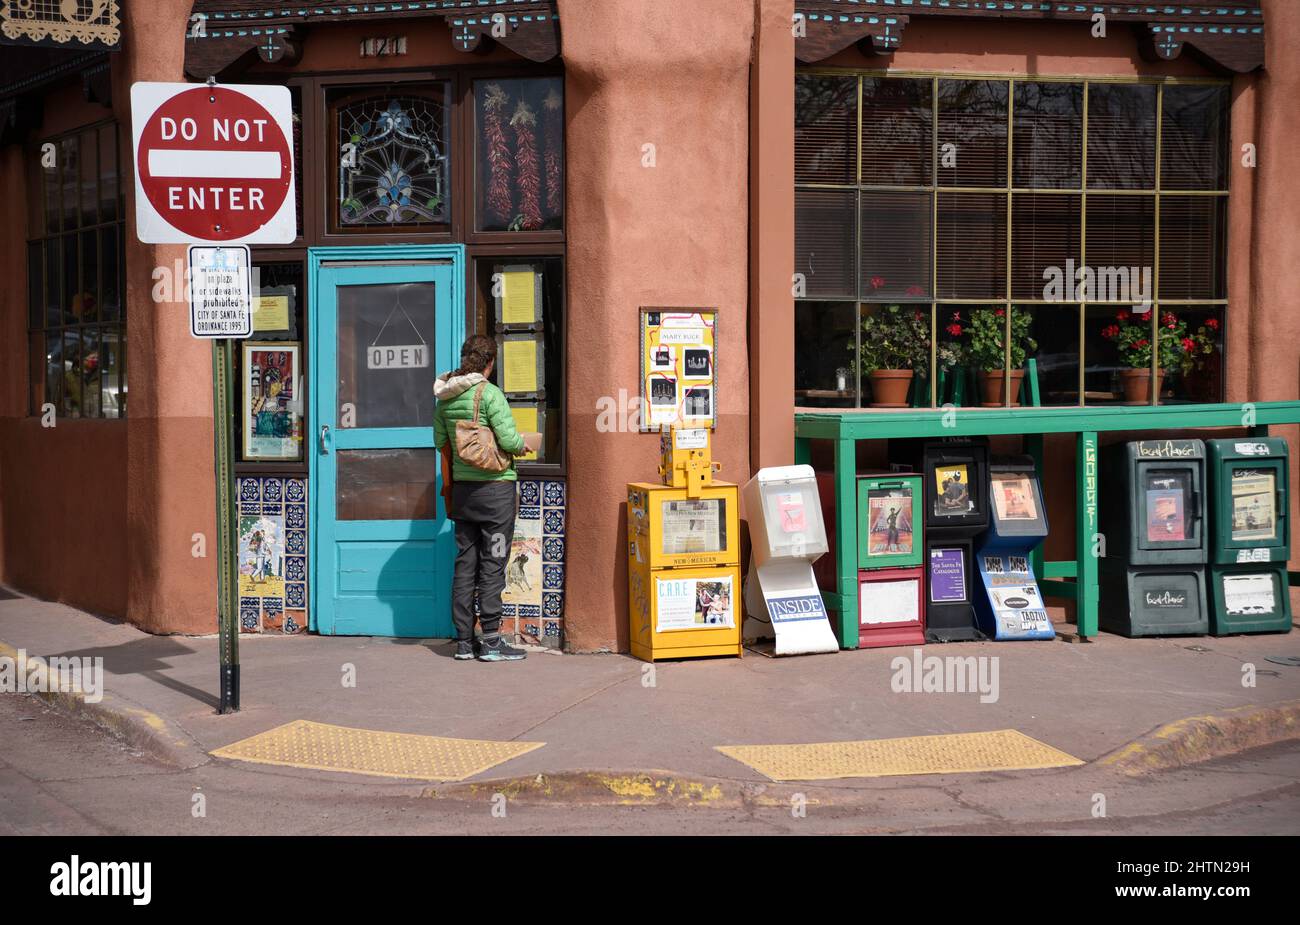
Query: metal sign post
point(227, 568)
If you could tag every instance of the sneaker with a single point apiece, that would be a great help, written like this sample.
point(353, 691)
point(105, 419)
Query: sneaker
point(496, 649)
point(464, 649)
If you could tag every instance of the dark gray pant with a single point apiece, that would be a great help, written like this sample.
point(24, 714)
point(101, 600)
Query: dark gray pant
point(485, 524)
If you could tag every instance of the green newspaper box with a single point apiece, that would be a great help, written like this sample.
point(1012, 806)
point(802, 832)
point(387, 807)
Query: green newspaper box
point(889, 521)
point(1250, 535)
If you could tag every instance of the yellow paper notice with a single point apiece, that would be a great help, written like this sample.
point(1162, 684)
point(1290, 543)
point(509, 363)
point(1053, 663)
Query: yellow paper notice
point(518, 297)
point(271, 313)
point(520, 366)
point(525, 422)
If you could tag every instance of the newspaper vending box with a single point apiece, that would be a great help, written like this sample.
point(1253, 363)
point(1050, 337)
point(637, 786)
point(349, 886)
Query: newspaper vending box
point(684, 591)
point(1250, 536)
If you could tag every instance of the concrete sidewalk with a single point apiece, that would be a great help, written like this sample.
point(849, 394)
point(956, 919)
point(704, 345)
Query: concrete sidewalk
point(598, 712)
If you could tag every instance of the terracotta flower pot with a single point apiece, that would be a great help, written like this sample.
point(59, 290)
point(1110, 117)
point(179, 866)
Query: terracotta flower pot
point(889, 387)
point(991, 391)
point(1136, 386)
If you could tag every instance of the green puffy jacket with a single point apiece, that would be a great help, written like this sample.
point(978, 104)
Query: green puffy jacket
point(455, 395)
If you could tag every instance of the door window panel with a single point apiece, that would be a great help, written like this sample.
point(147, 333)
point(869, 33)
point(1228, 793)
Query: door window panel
point(385, 355)
point(393, 484)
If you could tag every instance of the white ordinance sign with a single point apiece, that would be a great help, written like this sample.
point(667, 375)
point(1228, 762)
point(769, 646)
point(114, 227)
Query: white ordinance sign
point(220, 291)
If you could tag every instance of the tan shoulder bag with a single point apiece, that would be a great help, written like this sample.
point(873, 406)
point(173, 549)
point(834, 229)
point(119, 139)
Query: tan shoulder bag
point(476, 444)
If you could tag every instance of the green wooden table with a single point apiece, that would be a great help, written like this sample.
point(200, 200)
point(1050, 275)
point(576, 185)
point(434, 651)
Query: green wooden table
point(1075, 579)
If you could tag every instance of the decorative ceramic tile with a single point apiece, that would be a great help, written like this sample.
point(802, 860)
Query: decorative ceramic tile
point(552, 604)
point(553, 549)
point(553, 494)
point(530, 492)
point(553, 577)
point(276, 567)
point(553, 521)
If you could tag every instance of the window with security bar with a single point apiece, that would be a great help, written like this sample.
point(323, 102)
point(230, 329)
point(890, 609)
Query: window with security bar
point(76, 311)
point(949, 230)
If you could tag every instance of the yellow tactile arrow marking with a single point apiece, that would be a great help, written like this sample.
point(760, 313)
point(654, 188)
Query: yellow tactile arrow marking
point(1003, 750)
point(322, 747)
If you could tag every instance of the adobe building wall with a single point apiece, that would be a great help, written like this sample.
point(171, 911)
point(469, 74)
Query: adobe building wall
point(672, 234)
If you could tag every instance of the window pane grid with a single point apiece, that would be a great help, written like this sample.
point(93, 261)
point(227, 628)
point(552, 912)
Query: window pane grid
point(76, 322)
point(1128, 169)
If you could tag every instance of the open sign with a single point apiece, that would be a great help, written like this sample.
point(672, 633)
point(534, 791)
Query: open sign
point(398, 356)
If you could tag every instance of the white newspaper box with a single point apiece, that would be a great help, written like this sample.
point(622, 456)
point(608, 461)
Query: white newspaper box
point(787, 536)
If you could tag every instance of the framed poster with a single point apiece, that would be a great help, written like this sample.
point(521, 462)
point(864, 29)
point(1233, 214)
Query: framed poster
point(272, 401)
point(679, 369)
point(275, 313)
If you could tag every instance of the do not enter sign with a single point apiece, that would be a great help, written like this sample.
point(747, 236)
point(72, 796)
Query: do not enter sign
point(213, 163)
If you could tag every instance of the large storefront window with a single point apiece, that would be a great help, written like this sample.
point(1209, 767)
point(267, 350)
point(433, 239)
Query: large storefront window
point(76, 312)
point(988, 222)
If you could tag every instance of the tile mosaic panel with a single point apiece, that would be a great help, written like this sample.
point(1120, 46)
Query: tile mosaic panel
point(273, 554)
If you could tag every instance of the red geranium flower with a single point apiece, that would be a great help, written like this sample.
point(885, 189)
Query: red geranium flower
point(1000, 312)
point(1141, 343)
point(1111, 332)
point(1212, 324)
point(914, 290)
point(1188, 344)
point(877, 282)
point(1169, 319)
point(956, 316)
point(954, 330)
point(1122, 315)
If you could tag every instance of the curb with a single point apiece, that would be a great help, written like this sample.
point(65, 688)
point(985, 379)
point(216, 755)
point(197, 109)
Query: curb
point(139, 728)
point(615, 788)
point(1197, 739)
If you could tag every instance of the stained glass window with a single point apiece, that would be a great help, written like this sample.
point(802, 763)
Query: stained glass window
point(392, 156)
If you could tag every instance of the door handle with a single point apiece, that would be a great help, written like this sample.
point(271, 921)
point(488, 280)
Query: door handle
point(324, 434)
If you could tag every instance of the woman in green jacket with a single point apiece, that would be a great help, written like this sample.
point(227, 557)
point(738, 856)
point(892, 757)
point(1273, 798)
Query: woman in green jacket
point(483, 502)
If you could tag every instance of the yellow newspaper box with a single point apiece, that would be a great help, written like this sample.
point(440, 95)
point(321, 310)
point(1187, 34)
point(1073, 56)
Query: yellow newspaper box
point(684, 592)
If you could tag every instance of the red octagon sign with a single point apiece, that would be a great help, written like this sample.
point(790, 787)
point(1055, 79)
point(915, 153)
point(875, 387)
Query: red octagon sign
point(215, 165)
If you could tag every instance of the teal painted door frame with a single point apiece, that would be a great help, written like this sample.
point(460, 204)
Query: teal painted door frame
point(381, 577)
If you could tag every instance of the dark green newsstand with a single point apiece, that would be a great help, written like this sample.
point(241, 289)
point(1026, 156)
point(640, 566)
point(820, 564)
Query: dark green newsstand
point(1153, 520)
point(1250, 536)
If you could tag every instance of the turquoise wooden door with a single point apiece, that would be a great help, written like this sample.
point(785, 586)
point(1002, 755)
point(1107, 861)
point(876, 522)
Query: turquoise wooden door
point(385, 321)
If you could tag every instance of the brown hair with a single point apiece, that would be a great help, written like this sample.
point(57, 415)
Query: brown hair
point(476, 353)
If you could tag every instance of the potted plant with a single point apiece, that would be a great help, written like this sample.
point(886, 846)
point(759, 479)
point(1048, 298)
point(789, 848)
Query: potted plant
point(1204, 376)
point(1131, 335)
point(985, 347)
point(895, 345)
